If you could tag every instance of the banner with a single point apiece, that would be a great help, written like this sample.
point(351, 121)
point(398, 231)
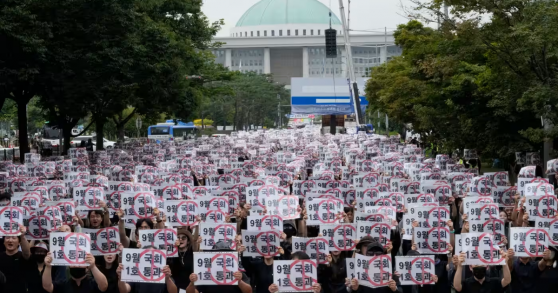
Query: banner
point(529, 242)
point(340, 237)
point(295, 275)
point(104, 241)
point(143, 265)
point(212, 233)
point(216, 268)
point(261, 243)
point(416, 270)
point(373, 271)
point(481, 249)
point(69, 249)
point(160, 239)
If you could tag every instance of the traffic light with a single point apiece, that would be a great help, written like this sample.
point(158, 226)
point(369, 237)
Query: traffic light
point(331, 43)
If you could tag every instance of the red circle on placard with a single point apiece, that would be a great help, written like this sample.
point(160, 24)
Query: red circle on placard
point(224, 268)
point(381, 257)
point(108, 240)
point(267, 244)
point(379, 225)
point(536, 240)
point(439, 240)
point(6, 233)
point(547, 206)
point(352, 227)
point(140, 272)
point(491, 250)
point(144, 203)
point(422, 270)
point(39, 225)
point(77, 247)
point(232, 242)
point(187, 212)
point(302, 262)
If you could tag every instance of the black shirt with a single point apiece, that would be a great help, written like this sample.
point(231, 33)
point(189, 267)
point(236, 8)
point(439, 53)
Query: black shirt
point(490, 285)
point(35, 278)
point(87, 285)
point(223, 288)
point(16, 269)
point(547, 281)
point(261, 273)
point(181, 268)
point(148, 288)
point(523, 276)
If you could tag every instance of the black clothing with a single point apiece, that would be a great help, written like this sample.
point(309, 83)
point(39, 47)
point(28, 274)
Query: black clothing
point(547, 281)
point(523, 276)
point(35, 278)
point(223, 288)
point(112, 279)
point(16, 269)
point(332, 277)
point(87, 285)
point(363, 289)
point(260, 273)
point(490, 285)
point(181, 272)
point(148, 288)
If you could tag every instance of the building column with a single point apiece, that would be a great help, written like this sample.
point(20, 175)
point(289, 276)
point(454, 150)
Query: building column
point(267, 61)
point(228, 58)
point(344, 63)
point(305, 65)
point(383, 54)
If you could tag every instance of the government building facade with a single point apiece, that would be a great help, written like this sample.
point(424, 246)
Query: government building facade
point(287, 39)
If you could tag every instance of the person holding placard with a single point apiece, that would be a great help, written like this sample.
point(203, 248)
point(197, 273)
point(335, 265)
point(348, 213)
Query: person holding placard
point(15, 264)
point(523, 273)
point(80, 279)
point(38, 255)
point(108, 264)
point(548, 276)
point(480, 283)
point(261, 269)
point(182, 266)
point(168, 286)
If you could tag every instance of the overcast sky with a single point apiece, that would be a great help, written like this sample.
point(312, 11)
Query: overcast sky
point(365, 14)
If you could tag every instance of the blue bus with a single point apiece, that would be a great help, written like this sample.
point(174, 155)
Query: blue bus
point(170, 131)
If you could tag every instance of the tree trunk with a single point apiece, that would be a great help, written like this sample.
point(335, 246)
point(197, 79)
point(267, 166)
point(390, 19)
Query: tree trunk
point(99, 129)
point(22, 125)
point(120, 132)
point(67, 135)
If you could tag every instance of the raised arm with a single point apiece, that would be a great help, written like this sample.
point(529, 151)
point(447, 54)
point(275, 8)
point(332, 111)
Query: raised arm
point(507, 275)
point(458, 272)
point(171, 287)
point(123, 287)
point(192, 287)
point(244, 287)
point(47, 274)
point(99, 277)
point(25, 248)
point(122, 230)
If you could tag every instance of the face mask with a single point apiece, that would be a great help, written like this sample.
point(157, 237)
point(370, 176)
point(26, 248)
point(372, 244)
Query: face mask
point(479, 272)
point(77, 273)
point(40, 258)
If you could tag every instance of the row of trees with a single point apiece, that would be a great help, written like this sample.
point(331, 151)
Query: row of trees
point(98, 58)
point(485, 79)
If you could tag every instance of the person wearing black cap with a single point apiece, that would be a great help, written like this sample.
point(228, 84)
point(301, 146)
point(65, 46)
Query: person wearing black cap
point(38, 254)
point(243, 281)
point(375, 249)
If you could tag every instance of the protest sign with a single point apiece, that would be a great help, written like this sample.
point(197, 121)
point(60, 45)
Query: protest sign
point(261, 243)
point(10, 220)
point(545, 206)
point(415, 270)
point(216, 268)
point(432, 240)
point(161, 239)
point(264, 223)
point(373, 271)
point(494, 227)
point(212, 233)
point(429, 217)
point(143, 265)
point(380, 232)
point(300, 187)
point(483, 211)
point(139, 205)
point(182, 212)
point(323, 210)
point(528, 241)
point(69, 249)
point(538, 189)
point(552, 226)
point(504, 196)
point(295, 275)
point(67, 208)
point(481, 249)
point(88, 198)
point(422, 198)
point(468, 201)
point(350, 266)
point(316, 248)
point(104, 241)
point(256, 195)
point(285, 206)
point(28, 201)
point(213, 209)
point(339, 236)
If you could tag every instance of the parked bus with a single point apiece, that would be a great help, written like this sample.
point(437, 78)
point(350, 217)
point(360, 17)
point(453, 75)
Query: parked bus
point(171, 131)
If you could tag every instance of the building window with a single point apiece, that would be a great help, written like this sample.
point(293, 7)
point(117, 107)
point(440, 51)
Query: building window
point(288, 32)
point(258, 33)
point(319, 32)
point(296, 32)
point(250, 62)
point(265, 33)
point(280, 33)
point(272, 33)
point(303, 32)
point(251, 34)
point(245, 34)
point(311, 32)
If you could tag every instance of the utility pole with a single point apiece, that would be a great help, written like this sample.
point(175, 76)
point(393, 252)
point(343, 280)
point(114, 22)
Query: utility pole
point(279, 124)
point(352, 77)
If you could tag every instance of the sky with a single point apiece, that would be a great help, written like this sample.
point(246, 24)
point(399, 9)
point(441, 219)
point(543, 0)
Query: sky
point(365, 14)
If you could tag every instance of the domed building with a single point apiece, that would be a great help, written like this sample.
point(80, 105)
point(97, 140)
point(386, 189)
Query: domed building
point(287, 39)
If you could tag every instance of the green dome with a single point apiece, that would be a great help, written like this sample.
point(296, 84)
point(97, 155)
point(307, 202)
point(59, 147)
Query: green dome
point(272, 12)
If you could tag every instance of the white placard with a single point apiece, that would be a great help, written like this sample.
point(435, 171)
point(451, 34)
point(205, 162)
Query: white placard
point(416, 270)
point(295, 275)
point(261, 243)
point(10, 220)
point(104, 241)
point(316, 248)
point(88, 198)
point(143, 265)
point(264, 223)
point(323, 210)
point(161, 239)
point(339, 236)
point(380, 232)
point(481, 249)
point(182, 212)
point(285, 206)
point(139, 205)
point(216, 268)
point(552, 226)
point(432, 240)
point(212, 233)
point(373, 271)
point(528, 241)
point(69, 249)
